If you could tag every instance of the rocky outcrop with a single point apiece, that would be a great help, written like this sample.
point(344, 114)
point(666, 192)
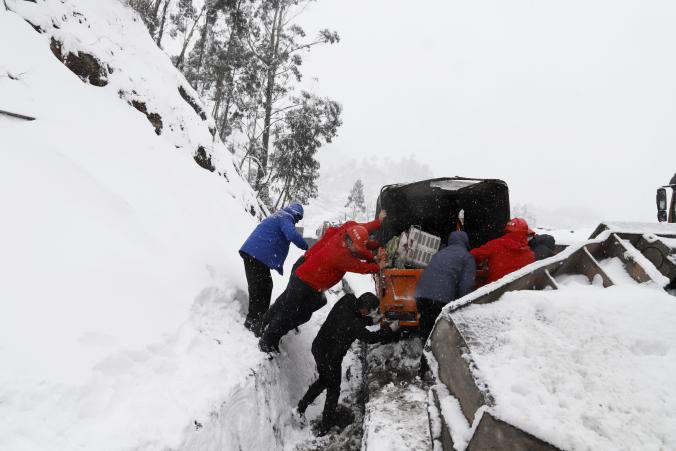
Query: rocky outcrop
point(84, 65)
point(154, 118)
point(193, 103)
point(203, 159)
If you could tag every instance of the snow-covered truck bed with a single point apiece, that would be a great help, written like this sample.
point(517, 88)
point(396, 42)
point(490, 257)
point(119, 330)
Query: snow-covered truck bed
point(572, 352)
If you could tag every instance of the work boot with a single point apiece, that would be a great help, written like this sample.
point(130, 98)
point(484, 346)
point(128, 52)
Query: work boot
point(258, 329)
point(250, 323)
point(298, 418)
point(322, 428)
point(302, 406)
point(267, 347)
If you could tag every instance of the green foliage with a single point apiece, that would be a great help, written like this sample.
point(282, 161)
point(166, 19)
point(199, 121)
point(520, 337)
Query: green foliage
point(312, 122)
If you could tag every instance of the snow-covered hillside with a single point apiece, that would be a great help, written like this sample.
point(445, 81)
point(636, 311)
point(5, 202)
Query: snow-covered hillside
point(121, 287)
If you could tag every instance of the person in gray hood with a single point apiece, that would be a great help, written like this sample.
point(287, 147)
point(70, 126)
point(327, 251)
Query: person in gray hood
point(449, 276)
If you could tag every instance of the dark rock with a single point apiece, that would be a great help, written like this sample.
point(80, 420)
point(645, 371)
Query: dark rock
point(193, 103)
point(203, 159)
point(37, 28)
point(154, 118)
point(84, 65)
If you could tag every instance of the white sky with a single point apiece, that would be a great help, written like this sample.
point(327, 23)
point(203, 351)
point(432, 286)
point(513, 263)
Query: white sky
point(573, 103)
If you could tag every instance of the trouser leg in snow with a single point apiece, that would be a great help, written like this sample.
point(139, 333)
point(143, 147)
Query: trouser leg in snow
point(274, 308)
point(331, 374)
point(260, 288)
point(429, 310)
point(295, 308)
point(315, 389)
point(329, 378)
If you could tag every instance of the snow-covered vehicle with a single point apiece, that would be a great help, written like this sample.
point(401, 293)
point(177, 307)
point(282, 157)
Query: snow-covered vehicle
point(434, 207)
point(666, 209)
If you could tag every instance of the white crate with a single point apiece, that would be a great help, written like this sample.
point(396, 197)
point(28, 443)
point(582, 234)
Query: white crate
point(420, 247)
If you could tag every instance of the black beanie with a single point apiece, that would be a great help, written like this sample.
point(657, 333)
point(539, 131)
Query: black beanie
point(369, 301)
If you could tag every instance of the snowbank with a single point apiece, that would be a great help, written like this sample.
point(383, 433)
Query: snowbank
point(566, 237)
point(583, 367)
point(122, 290)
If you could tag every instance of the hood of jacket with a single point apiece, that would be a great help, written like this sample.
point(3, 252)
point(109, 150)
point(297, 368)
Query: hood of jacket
point(460, 238)
point(515, 240)
point(295, 210)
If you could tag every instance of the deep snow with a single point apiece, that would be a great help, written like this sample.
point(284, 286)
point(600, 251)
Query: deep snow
point(120, 324)
point(582, 367)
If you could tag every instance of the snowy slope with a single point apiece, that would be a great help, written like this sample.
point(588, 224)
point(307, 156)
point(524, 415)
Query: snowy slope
point(122, 301)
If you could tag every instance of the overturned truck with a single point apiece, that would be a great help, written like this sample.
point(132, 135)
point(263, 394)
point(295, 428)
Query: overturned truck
point(425, 213)
point(621, 275)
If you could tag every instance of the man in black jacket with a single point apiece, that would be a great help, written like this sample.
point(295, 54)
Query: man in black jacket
point(541, 245)
point(345, 323)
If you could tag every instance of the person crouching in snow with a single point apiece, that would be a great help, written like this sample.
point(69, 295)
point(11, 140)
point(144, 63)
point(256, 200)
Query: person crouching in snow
point(345, 323)
point(507, 253)
point(448, 276)
point(331, 232)
point(341, 254)
point(265, 249)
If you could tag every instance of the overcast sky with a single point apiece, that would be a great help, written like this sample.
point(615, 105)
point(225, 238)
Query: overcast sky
point(572, 103)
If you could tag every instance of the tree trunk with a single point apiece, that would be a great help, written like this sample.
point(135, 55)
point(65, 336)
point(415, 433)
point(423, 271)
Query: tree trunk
point(157, 7)
point(218, 95)
point(164, 18)
point(224, 121)
point(211, 16)
point(283, 193)
point(269, 93)
point(181, 56)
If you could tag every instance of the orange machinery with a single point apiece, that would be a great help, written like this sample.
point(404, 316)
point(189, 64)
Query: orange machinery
point(396, 290)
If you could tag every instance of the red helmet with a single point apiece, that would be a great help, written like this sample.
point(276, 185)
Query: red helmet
point(359, 235)
point(517, 225)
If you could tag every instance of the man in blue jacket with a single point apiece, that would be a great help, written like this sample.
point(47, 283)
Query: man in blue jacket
point(266, 249)
point(449, 276)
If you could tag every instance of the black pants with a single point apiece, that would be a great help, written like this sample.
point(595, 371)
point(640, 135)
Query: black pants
point(272, 311)
point(329, 379)
point(291, 310)
point(429, 310)
point(260, 287)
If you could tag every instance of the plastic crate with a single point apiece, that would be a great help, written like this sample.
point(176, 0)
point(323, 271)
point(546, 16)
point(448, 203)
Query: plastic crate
point(420, 247)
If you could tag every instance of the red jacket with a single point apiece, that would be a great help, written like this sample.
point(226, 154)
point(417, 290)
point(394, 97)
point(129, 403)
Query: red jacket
point(327, 265)
point(341, 230)
point(505, 254)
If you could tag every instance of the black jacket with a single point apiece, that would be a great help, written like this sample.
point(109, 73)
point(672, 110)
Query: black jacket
point(450, 274)
point(342, 327)
point(542, 246)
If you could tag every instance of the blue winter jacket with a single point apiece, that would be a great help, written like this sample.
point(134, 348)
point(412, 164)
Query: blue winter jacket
point(450, 273)
point(269, 242)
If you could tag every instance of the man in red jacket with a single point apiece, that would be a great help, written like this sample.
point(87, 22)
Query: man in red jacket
point(329, 233)
point(343, 252)
point(507, 253)
point(333, 231)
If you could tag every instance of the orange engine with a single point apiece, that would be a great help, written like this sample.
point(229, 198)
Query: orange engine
point(396, 289)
